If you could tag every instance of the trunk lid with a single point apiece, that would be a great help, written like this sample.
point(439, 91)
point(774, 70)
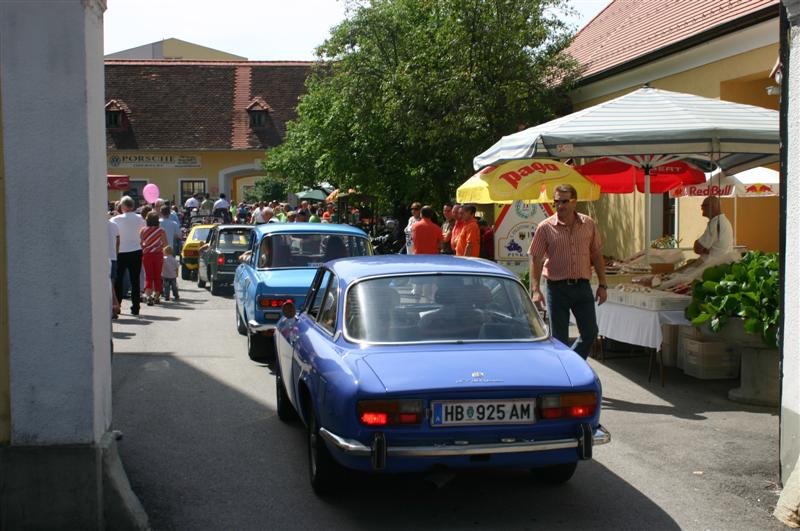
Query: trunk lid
point(474, 366)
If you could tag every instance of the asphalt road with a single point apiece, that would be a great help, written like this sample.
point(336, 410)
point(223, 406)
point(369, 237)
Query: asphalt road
point(203, 448)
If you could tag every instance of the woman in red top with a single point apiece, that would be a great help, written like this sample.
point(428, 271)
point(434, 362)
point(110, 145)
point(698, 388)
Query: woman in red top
point(153, 239)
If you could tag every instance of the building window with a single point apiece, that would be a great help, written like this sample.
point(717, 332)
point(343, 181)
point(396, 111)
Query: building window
point(189, 188)
point(258, 119)
point(113, 119)
point(134, 190)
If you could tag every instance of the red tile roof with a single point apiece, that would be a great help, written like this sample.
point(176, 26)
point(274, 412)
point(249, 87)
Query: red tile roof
point(627, 30)
point(202, 104)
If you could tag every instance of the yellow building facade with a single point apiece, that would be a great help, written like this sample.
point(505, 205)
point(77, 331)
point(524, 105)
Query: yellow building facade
point(195, 126)
point(181, 173)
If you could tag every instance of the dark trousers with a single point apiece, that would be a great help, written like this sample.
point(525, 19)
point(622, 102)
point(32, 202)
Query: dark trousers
point(131, 262)
point(563, 297)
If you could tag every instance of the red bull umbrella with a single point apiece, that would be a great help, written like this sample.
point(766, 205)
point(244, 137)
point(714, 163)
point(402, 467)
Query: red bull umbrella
point(757, 182)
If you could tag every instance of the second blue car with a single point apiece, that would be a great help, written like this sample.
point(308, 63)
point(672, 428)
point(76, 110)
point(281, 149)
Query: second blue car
point(279, 266)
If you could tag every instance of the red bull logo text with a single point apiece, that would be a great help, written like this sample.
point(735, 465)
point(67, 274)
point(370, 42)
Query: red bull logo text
point(699, 191)
point(514, 177)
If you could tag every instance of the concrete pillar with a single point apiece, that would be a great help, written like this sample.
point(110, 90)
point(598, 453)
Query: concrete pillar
point(790, 398)
point(55, 215)
point(56, 271)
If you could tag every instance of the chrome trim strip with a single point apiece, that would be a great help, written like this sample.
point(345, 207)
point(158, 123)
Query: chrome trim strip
point(601, 436)
point(511, 278)
point(353, 447)
point(348, 446)
point(255, 326)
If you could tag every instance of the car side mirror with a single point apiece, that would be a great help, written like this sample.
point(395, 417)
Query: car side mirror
point(288, 309)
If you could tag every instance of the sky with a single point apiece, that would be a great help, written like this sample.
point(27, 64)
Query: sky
point(260, 30)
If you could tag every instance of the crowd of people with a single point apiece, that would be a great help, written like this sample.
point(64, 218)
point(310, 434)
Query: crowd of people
point(259, 211)
point(461, 233)
point(144, 241)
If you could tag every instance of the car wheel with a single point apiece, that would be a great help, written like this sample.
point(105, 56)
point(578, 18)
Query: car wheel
point(241, 327)
point(255, 346)
point(555, 474)
point(186, 274)
point(285, 408)
point(214, 286)
point(325, 474)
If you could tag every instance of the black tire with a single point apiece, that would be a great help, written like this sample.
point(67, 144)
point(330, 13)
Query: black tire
point(325, 474)
point(186, 274)
point(555, 474)
point(284, 407)
point(214, 285)
point(255, 347)
point(241, 327)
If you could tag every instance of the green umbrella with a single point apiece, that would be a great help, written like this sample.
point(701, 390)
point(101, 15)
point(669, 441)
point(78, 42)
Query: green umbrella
point(316, 195)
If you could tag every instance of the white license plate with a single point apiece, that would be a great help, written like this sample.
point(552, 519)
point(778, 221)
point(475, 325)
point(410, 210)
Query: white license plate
point(483, 412)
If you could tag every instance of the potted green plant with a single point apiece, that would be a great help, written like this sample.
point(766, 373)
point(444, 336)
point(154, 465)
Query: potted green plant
point(740, 300)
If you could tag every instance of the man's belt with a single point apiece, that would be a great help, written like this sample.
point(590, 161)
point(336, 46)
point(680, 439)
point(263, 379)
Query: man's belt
point(568, 281)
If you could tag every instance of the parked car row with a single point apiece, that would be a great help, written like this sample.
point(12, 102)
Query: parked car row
point(407, 363)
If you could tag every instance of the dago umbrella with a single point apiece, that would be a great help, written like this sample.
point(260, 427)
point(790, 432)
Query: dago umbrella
point(650, 127)
point(531, 180)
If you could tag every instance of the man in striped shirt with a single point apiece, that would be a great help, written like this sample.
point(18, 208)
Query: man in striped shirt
point(565, 247)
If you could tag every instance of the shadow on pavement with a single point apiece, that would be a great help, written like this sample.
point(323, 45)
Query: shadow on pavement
point(203, 455)
point(688, 396)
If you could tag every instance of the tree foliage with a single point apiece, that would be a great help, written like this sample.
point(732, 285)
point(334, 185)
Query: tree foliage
point(407, 92)
point(267, 188)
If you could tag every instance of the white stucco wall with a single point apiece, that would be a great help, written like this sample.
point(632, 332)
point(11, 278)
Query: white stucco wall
point(790, 399)
point(58, 290)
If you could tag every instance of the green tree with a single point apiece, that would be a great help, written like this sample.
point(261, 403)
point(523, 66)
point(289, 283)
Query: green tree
point(407, 92)
point(267, 188)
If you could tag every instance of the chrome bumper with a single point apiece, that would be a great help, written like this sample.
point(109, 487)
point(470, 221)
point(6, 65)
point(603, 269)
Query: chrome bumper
point(355, 448)
point(257, 327)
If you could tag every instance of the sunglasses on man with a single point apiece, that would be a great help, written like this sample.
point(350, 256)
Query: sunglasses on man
point(561, 201)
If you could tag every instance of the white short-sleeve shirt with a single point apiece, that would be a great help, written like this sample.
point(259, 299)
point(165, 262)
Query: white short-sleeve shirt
point(113, 234)
point(129, 225)
point(718, 237)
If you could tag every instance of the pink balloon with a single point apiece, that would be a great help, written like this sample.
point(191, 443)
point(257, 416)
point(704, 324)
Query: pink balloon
point(151, 193)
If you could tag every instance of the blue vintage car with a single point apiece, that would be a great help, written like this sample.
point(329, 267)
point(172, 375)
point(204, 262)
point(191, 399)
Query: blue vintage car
point(279, 266)
point(406, 363)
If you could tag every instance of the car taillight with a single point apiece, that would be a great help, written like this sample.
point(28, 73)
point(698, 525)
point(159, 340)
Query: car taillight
point(272, 302)
point(390, 412)
point(188, 253)
point(221, 260)
point(568, 405)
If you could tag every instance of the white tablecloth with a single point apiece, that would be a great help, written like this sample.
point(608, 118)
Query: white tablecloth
point(636, 326)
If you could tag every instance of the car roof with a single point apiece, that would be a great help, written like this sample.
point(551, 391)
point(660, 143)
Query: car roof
point(310, 228)
point(352, 269)
point(234, 226)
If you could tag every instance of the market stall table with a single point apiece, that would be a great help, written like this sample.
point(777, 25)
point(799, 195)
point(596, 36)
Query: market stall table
point(636, 318)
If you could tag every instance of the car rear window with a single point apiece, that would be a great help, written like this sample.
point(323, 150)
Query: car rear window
point(414, 308)
point(310, 250)
point(233, 240)
point(200, 234)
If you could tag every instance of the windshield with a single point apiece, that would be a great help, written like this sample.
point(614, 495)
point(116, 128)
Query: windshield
point(200, 234)
point(409, 309)
point(309, 250)
point(234, 240)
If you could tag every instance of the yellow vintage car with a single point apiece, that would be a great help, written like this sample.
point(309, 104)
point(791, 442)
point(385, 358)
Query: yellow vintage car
point(191, 250)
